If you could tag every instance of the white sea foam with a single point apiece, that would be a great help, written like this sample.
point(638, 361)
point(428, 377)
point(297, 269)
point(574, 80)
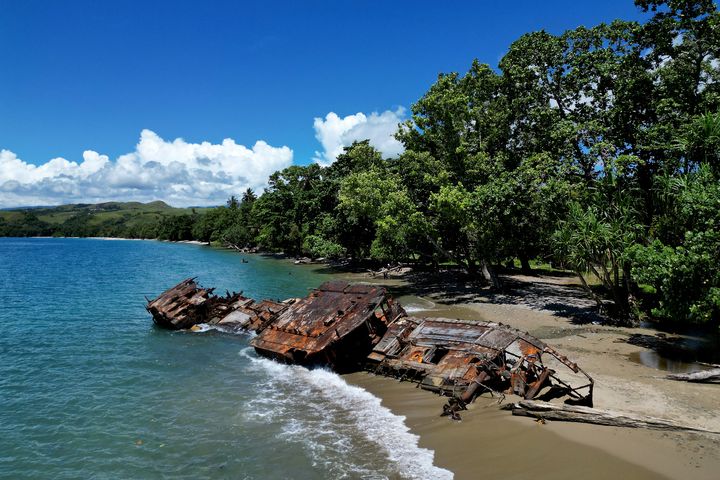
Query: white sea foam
point(344, 428)
point(419, 305)
point(204, 327)
point(115, 238)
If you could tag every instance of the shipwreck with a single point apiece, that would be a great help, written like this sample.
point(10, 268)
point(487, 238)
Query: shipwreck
point(349, 327)
point(187, 305)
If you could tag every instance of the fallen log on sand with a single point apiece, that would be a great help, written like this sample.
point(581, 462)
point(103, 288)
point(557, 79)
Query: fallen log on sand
point(701, 376)
point(570, 413)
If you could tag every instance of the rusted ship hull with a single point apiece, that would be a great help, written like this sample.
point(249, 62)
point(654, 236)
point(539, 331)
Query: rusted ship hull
point(336, 326)
point(350, 327)
point(187, 304)
point(463, 358)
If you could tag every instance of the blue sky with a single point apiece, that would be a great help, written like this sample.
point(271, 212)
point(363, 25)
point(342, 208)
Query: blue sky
point(81, 76)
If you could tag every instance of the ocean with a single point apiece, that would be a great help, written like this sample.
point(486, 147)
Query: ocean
point(90, 388)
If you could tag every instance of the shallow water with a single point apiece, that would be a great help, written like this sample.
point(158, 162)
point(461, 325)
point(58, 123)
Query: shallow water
point(653, 359)
point(89, 388)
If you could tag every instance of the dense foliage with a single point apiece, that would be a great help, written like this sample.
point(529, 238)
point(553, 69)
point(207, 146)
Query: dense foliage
point(597, 149)
point(112, 219)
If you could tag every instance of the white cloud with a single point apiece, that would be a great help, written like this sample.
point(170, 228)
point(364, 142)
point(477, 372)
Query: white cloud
point(177, 172)
point(334, 133)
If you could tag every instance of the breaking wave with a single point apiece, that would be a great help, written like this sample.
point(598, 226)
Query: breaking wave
point(343, 428)
point(204, 327)
point(419, 305)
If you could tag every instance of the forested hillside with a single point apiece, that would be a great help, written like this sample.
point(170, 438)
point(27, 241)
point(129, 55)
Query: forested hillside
point(111, 219)
point(597, 149)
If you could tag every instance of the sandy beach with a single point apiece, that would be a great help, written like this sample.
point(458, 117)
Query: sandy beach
point(489, 441)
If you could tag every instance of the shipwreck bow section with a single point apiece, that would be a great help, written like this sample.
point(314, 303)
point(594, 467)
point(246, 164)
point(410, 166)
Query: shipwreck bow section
point(350, 327)
point(187, 304)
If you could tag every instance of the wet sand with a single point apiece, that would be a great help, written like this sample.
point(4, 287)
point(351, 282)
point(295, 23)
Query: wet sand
point(492, 442)
point(489, 442)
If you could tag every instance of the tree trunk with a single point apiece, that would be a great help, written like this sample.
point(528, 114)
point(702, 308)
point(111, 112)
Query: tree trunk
point(701, 376)
point(490, 274)
point(589, 290)
point(471, 267)
point(525, 264)
point(571, 413)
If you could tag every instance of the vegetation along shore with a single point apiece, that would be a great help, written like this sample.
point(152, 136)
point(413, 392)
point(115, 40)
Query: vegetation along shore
point(597, 150)
point(629, 365)
point(518, 274)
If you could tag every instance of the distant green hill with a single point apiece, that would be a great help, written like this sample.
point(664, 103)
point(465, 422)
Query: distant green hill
point(109, 219)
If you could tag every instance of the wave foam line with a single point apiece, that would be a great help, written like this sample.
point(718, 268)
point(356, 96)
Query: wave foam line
point(419, 305)
point(376, 423)
point(204, 327)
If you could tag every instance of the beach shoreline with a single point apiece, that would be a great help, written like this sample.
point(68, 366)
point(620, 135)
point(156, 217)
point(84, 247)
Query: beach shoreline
point(188, 242)
point(490, 442)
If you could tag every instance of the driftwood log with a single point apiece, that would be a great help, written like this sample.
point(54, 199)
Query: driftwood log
point(571, 413)
point(712, 375)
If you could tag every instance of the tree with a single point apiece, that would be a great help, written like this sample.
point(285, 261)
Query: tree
point(358, 157)
point(597, 235)
point(680, 262)
point(361, 199)
point(291, 207)
point(233, 203)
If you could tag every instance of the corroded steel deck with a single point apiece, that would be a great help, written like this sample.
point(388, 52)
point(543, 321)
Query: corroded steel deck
point(336, 315)
point(456, 356)
point(187, 304)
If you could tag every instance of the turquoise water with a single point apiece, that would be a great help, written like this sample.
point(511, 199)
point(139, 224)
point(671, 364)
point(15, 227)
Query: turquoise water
point(89, 388)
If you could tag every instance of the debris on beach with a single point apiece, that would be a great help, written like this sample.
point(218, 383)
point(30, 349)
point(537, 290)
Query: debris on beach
point(351, 327)
point(701, 376)
point(397, 271)
point(462, 358)
point(573, 413)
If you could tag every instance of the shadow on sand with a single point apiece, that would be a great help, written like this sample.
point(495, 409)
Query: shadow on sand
point(550, 293)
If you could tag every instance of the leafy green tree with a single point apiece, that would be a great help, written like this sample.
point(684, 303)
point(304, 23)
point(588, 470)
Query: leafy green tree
point(421, 174)
point(680, 263)
point(597, 235)
point(318, 246)
point(289, 209)
point(209, 226)
point(233, 203)
point(452, 209)
point(26, 224)
point(358, 157)
point(176, 228)
point(700, 143)
point(361, 198)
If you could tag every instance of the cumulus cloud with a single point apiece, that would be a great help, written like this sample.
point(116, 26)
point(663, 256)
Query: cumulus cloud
point(334, 133)
point(178, 172)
